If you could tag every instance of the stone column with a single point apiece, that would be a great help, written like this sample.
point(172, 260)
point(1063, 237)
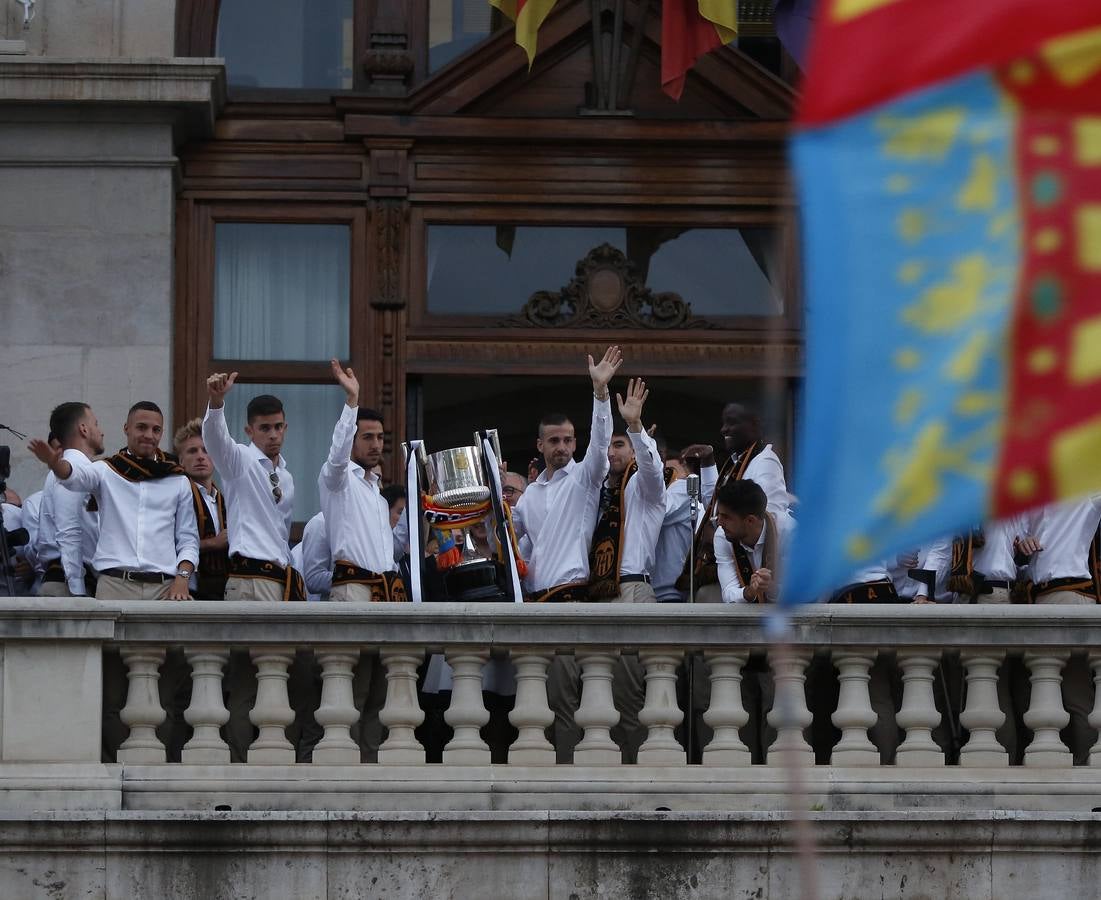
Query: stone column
point(1094, 718)
point(402, 712)
point(726, 715)
point(531, 715)
point(597, 713)
point(918, 715)
point(1046, 715)
point(272, 712)
point(207, 712)
point(981, 715)
point(337, 712)
point(789, 714)
point(854, 714)
point(143, 711)
point(660, 713)
point(467, 713)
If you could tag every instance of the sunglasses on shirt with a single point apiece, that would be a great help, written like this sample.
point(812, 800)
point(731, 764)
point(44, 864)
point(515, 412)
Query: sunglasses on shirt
point(276, 491)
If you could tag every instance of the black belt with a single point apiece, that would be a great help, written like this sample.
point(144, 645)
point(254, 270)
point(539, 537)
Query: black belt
point(634, 579)
point(1002, 584)
point(139, 577)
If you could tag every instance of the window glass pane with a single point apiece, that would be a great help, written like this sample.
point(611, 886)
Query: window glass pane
point(454, 26)
point(281, 291)
point(312, 411)
point(493, 270)
point(286, 43)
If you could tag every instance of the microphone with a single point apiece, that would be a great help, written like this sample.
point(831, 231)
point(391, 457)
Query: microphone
point(692, 485)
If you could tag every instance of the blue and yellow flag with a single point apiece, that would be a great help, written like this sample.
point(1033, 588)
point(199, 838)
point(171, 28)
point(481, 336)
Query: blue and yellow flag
point(953, 276)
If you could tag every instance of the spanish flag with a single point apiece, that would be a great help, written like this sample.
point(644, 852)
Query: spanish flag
point(689, 29)
point(528, 16)
point(948, 158)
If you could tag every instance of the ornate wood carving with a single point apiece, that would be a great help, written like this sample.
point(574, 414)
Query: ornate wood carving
point(388, 218)
point(606, 293)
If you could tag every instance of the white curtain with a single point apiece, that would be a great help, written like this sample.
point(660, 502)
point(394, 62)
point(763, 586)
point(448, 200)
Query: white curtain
point(312, 411)
point(281, 291)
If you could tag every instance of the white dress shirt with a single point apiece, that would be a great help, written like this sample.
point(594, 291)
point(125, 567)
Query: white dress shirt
point(768, 472)
point(733, 591)
point(935, 557)
point(675, 536)
point(1065, 531)
point(357, 516)
point(67, 531)
point(644, 503)
point(994, 560)
point(146, 526)
point(32, 515)
point(259, 528)
point(316, 558)
point(559, 512)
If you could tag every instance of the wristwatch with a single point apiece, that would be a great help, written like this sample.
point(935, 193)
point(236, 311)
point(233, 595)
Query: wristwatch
point(183, 573)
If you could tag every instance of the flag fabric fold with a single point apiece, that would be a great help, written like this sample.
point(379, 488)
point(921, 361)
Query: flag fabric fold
point(689, 29)
point(528, 16)
point(950, 185)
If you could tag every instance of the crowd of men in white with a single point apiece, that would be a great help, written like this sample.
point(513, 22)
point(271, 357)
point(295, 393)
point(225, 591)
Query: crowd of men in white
point(213, 520)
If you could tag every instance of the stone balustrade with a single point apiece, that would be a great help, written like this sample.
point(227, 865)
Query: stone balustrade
point(882, 706)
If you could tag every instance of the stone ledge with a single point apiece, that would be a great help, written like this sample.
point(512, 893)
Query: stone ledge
point(193, 90)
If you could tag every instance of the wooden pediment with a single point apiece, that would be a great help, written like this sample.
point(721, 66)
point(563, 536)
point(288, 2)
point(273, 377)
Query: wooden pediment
point(493, 79)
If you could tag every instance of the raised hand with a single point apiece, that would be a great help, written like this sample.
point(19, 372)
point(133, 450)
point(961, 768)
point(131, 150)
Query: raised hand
point(45, 454)
point(699, 454)
point(602, 372)
point(631, 408)
point(346, 378)
point(217, 386)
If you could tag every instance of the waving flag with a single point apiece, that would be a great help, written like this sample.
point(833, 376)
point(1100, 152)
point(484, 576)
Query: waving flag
point(689, 29)
point(528, 16)
point(949, 167)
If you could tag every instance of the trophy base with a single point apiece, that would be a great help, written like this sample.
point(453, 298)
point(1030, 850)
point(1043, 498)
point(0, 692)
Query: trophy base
point(475, 582)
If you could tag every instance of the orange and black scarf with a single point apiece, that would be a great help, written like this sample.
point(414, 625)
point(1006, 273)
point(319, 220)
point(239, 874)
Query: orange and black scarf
point(385, 587)
point(707, 570)
point(962, 577)
point(607, 543)
point(159, 465)
point(294, 588)
point(213, 564)
point(743, 563)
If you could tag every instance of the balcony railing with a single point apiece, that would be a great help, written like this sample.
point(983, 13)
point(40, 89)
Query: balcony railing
point(882, 706)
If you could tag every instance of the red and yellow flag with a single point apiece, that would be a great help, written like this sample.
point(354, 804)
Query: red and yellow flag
point(528, 16)
point(689, 29)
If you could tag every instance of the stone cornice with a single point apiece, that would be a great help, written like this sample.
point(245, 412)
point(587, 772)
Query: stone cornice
point(191, 91)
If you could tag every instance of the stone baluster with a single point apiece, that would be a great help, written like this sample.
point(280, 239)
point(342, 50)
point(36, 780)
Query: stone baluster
point(918, 715)
point(1046, 715)
point(854, 714)
point(982, 715)
point(143, 711)
point(789, 714)
point(466, 713)
point(402, 712)
point(337, 712)
point(725, 714)
point(1094, 718)
point(531, 714)
point(207, 712)
point(660, 713)
point(597, 713)
point(272, 712)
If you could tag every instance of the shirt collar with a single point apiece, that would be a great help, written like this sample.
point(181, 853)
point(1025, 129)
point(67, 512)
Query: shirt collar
point(761, 539)
point(262, 456)
point(567, 468)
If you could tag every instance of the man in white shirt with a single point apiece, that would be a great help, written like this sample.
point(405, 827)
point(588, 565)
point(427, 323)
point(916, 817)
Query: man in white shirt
point(750, 543)
point(209, 582)
point(357, 516)
point(148, 543)
point(67, 531)
point(677, 528)
point(1058, 544)
point(557, 514)
point(750, 458)
point(259, 493)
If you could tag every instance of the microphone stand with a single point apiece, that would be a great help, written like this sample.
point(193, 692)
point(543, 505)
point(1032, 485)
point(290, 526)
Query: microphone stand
point(692, 485)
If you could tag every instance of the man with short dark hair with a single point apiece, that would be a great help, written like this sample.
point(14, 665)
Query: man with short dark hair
point(67, 529)
point(259, 493)
point(148, 543)
point(750, 543)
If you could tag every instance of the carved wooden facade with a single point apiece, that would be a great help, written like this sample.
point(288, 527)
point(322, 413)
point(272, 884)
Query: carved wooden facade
point(485, 141)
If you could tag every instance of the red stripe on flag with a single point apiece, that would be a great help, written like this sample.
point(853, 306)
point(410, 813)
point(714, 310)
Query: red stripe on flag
point(685, 37)
point(902, 45)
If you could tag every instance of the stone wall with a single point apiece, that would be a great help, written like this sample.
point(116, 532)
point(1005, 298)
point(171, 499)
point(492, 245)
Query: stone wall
point(139, 29)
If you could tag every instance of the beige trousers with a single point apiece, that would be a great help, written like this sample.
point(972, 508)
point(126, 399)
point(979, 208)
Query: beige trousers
point(258, 589)
point(350, 593)
point(111, 588)
point(54, 589)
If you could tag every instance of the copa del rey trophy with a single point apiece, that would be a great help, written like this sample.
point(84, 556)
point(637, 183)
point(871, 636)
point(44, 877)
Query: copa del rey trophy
point(456, 495)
